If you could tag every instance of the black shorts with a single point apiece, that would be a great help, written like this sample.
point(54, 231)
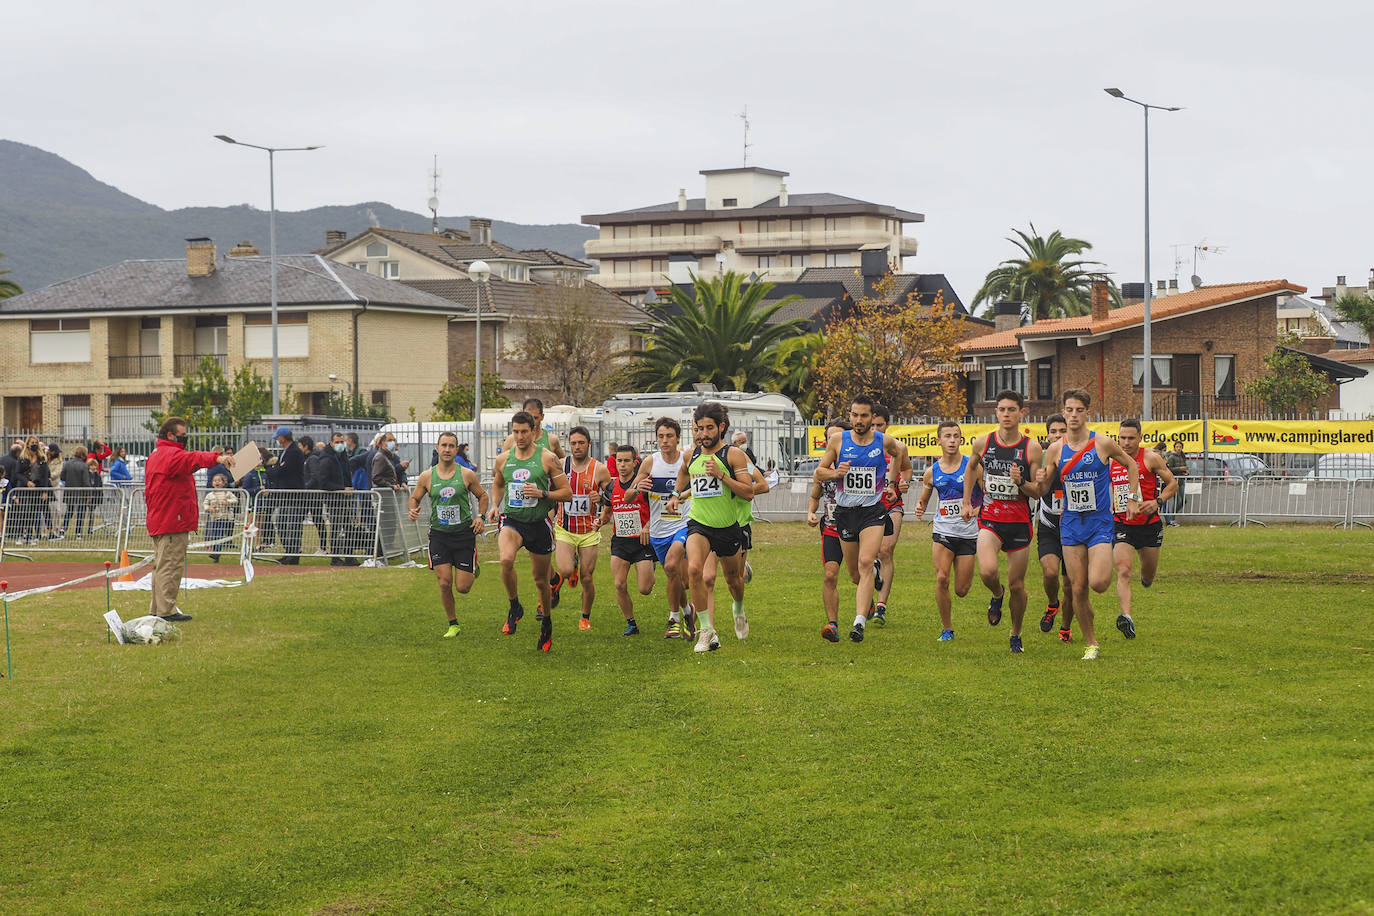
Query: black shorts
point(538, 536)
point(1140, 536)
point(725, 542)
point(1047, 541)
point(831, 551)
point(850, 520)
point(960, 547)
point(453, 548)
point(1013, 535)
point(746, 537)
point(889, 527)
point(631, 550)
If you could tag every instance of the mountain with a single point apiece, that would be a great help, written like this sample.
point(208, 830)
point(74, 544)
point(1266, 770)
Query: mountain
point(57, 221)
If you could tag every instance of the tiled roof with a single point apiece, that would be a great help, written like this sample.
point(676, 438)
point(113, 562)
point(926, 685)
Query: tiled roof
point(474, 251)
point(547, 257)
point(425, 243)
point(822, 200)
point(1131, 315)
point(1351, 356)
point(525, 300)
point(302, 280)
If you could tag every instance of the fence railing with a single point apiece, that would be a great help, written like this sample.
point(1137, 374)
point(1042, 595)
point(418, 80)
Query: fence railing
point(135, 366)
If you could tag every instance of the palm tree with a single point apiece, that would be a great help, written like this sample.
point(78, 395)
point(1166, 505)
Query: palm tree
point(720, 334)
point(8, 288)
point(793, 367)
point(1050, 282)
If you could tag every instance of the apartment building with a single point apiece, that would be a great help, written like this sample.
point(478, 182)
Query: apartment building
point(747, 222)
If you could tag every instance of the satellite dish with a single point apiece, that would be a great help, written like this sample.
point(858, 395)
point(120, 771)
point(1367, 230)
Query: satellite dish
point(434, 203)
point(1196, 281)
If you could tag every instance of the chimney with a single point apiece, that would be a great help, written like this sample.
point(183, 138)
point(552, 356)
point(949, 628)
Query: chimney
point(1340, 279)
point(1008, 315)
point(1161, 287)
point(1371, 278)
point(244, 250)
point(682, 198)
point(480, 230)
point(1131, 293)
point(1173, 287)
point(873, 263)
point(200, 257)
point(334, 237)
point(782, 194)
point(1102, 299)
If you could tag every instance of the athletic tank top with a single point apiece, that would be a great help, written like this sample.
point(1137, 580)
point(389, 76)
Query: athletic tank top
point(713, 503)
point(1003, 500)
point(949, 501)
point(863, 483)
point(1121, 490)
point(663, 478)
point(891, 502)
point(826, 508)
point(1088, 484)
point(629, 509)
point(449, 507)
point(746, 506)
point(519, 472)
point(542, 441)
point(576, 515)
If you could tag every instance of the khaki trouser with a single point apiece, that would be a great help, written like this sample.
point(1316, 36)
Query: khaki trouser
point(169, 562)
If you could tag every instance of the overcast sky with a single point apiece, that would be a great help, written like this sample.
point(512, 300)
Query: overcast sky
point(983, 116)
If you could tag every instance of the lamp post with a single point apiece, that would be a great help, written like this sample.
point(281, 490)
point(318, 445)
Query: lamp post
point(1147, 408)
point(271, 242)
point(479, 272)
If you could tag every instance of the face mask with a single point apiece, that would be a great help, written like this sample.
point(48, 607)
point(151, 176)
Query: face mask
point(181, 439)
point(339, 446)
point(391, 446)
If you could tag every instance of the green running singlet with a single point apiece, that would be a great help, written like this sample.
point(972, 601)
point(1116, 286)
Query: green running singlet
point(517, 473)
point(449, 508)
point(713, 503)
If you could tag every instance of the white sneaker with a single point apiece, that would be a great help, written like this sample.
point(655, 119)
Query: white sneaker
point(704, 639)
point(748, 575)
point(741, 627)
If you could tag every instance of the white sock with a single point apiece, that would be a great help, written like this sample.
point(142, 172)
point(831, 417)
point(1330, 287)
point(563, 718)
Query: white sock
point(860, 619)
point(674, 616)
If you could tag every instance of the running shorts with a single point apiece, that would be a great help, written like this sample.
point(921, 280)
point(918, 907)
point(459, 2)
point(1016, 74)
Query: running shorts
point(1013, 535)
point(1141, 536)
point(453, 548)
point(537, 536)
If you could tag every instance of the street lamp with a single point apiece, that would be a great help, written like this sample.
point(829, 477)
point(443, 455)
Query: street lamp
point(1147, 409)
point(478, 272)
point(271, 242)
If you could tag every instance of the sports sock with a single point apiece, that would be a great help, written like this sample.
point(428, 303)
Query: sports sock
point(453, 623)
point(674, 616)
point(631, 622)
point(738, 608)
point(860, 619)
point(586, 615)
point(1054, 604)
point(515, 604)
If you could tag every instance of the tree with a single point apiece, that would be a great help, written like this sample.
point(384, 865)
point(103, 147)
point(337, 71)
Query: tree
point(571, 345)
point(903, 354)
point(1049, 279)
point(338, 404)
point(1357, 309)
point(721, 334)
point(794, 368)
point(8, 288)
point(1291, 385)
point(209, 400)
point(455, 398)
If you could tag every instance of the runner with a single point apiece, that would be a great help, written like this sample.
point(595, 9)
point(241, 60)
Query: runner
point(549, 440)
point(954, 539)
point(718, 476)
point(1144, 533)
point(1004, 522)
point(577, 533)
point(453, 528)
point(746, 531)
point(821, 511)
point(1047, 544)
point(628, 507)
point(1082, 461)
point(530, 479)
point(893, 503)
point(668, 530)
point(857, 460)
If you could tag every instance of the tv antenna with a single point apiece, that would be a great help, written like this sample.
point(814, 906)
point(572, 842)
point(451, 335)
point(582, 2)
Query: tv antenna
point(1202, 249)
point(744, 116)
point(434, 195)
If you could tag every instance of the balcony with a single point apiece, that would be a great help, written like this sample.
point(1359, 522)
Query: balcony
point(135, 366)
point(659, 244)
point(185, 364)
point(853, 239)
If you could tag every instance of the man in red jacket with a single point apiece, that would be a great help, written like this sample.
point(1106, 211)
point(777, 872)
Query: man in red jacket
point(169, 489)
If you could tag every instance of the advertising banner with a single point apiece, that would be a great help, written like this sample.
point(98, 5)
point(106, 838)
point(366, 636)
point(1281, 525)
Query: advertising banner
point(921, 439)
point(1308, 436)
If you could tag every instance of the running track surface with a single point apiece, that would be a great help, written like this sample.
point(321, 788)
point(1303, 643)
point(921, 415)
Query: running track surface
point(22, 574)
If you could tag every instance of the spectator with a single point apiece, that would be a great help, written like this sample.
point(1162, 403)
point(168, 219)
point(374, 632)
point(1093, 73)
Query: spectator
point(170, 489)
point(9, 465)
point(326, 471)
point(97, 496)
point(385, 477)
point(120, 474)
point(463, 459)
point(1177, 462)
point(289, 474)
point(253, 483)
point(99, 451)
point(741, 442)
point(76, 479)
point(221, 507)
point(54, 463)
point(40, 481)
point(354, 449)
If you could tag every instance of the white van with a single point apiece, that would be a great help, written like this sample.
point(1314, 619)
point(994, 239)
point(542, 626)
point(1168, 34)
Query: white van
point(776, 429)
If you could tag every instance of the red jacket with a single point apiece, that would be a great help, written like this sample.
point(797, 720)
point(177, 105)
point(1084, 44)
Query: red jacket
point(100, 454)
point(169, 487)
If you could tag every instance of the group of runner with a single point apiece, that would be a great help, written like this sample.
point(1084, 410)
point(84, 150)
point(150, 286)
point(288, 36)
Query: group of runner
point(1095, 499)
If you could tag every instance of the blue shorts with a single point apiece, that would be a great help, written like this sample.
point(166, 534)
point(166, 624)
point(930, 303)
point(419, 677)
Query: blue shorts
point(663, 545)
point(1086, 529)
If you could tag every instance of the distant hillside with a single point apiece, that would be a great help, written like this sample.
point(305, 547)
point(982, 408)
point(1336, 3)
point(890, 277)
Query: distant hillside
point(57, 221)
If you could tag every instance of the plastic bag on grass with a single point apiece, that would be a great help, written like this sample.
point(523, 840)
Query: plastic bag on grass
point(151, 630)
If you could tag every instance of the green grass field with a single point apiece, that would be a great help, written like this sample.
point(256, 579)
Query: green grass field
point(312, 746)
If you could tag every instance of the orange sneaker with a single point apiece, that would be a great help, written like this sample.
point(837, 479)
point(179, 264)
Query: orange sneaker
point(584, 623)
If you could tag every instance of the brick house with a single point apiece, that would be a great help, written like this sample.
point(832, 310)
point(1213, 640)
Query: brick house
point(1206, 343)
point(101, 351)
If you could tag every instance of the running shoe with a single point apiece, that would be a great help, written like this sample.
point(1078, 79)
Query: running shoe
point(555, 586)
point(453, 630)
point(946, 635)
point(1047, 621)
point(877, 575)
point(545, 634)
point(674, 630)
point(1016, 645)
point(830, 632)
point(880, 614)
point(1065, 634)
point(584, 623)
point(715, 641)
point(512, 619)
point(857, 633)
point(995, 611)
point(476, 569)
point(1126, 625)
point(1090, 653)
point(748, 573)
point(631, 629)
point(1144, 584)
point(741, 626)
point(689, 623)
point(872, 609)
point(704, 639)
point(572, 577)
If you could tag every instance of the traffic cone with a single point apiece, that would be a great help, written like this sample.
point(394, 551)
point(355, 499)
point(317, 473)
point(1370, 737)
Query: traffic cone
point(127, 576)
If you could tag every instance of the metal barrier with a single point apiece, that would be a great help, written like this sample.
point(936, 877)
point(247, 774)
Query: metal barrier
point(339, 524)
point(1361, 503)
point(1215, 500)
point(64, 520)
point(1320, 499)
point(222, 515)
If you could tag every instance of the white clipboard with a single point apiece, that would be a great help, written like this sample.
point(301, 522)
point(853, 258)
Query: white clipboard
point(245, 460)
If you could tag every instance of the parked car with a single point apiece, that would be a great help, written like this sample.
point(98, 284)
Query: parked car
point(1219, 464)
point(1351, 466)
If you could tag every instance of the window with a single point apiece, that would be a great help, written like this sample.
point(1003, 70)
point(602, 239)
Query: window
point(1162, 377)
point(60, 340)
point(798, 226)
point(837, 224)
point(622, 267)
point(767, 260)
point(1225, 369)
point(1044, 381)
point(658, 266)
point(999, 377)
point(150, 337)
point(391, 269)
point(76, 416)
point(636, 341)
point(691, 229)
point(838, 259)
point(380, 398)
point(376, 250)
point(797, 260)
point(658, 230)
point(293, 335)
point(730, 202)
point(359, 265)
point(767, 226)
point(212, 335)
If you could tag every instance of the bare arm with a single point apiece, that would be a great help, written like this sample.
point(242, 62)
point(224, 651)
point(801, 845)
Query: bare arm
point(498, 486)
point(813, 504)
point(1110, 450)
point(975, 463)
point(826, 468)
point(1168, 483)
point(559, 489)
point(730, 474)
point(474, 487)
point(421, 488)
point(927, 489)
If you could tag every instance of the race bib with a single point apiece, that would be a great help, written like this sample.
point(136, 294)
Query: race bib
point(1121, 492)
point(451, 515)
point(628, 524)
point(1079, 496)
point(950, 509)
point(515, 496)
point(705, 487)
point(580, 505)
point(1000, 487)
point(861, 480)
point(1056, 502)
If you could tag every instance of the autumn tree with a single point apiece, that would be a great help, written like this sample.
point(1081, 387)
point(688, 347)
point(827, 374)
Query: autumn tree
point(902, 353)
point(1291, 385)
point(572, 347)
